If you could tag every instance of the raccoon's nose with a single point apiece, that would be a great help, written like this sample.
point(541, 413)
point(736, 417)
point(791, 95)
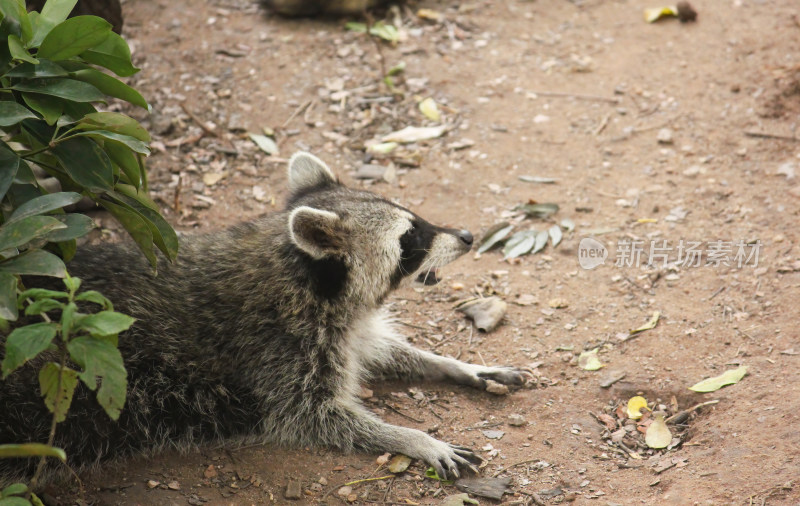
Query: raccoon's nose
point(465, 236)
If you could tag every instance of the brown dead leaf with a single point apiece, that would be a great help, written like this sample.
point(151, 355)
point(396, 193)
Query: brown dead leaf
point(608, 421)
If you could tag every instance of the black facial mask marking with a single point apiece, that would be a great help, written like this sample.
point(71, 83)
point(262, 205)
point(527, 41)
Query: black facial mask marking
point(415, 245)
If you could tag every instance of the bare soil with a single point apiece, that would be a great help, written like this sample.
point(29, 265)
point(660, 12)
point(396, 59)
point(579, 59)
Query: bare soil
point(577, 91)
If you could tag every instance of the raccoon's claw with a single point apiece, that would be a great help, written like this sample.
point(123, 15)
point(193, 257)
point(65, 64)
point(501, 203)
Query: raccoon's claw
point(511, 376)
point(447, 467)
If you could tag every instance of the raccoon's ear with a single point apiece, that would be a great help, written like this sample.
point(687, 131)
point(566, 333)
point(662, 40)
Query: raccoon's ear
point(317, 232)
point(308, 171)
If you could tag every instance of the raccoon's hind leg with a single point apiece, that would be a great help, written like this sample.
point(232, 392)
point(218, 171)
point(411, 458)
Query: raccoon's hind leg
point(384, 353)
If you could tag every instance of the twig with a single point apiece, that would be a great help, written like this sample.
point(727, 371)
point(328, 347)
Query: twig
point(688, 411)
point(413, 326)
point(388, 489)
point(534, 497)
point(176, 203)
point(717, 292)
point(763, 135)
point(364, 480)
point(559, 94)
point(403, 414)
point(300, 108)
point(602, 125)
point(495, 475)
point(200, 123)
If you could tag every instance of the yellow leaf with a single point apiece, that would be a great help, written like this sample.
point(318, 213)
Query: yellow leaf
point(658, 434)
point(647, 220)
point(653, 14)
point(430, 15)
point(713, 384)
point(649, 325)
point(429, 108)
point(635, 405)
point(589, 361)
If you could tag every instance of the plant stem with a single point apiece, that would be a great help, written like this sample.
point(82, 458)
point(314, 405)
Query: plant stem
point(54, 423)
point(35, 151)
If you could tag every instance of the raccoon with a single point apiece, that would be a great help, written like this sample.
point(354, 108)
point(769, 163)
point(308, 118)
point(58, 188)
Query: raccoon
point(262, 333)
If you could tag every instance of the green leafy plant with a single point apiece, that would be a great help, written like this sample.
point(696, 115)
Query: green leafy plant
point(53, 71)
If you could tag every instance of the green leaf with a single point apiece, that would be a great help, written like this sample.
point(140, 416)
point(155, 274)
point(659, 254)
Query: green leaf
point(121, 155)
point(100, 359)
point(555, 235)
point(14, 489)
point(42, 306)
point(12, 113)
point(49, 107)
point(115, 122)
point(137, 228)
point(62, 87)
point(74, 111)
point(45, 68)
point(96, 297)
point(163, 234)
point(18, 51)
point(35, 263)
point(42, 293)
point(44, 204)
point(26, 177)
point(113, 54)
point(68, 249)
point(111, 86)
point(15, 19)
point(727, 378)
point(264, 143)
point(19, 233)
point(8, 296)
point(125, 140)
point(77, 224)
point(14, 501)
point(32, 450)
point(9, 165)
point(53, 13)
point(541, 242)
point(48, 383)
point(72, 283)
point(432, 474)
point(24, 343)
point(538, 210)
point(379, 29)
point(494, 236)
point(74, 36)
point(68, 318)
point(519, 244)
point(106, 323)
point(86, 163)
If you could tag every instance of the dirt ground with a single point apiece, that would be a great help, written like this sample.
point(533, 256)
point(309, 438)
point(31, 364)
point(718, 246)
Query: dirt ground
point(578, 91)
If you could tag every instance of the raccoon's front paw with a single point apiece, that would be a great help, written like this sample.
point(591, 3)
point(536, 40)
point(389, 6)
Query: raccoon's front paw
point(447, 458)
point(511, 376)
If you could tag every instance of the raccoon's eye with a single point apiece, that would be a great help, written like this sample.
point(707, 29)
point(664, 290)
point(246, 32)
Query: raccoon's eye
point(411, 232)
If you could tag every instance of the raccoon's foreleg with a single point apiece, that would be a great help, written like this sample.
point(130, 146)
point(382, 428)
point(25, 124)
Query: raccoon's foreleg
point(348, 425)
point(386, 354)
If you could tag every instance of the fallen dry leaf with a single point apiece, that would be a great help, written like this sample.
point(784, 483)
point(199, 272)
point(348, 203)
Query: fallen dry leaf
point(658, 434)
point(486, 312)
point(713, 384)
point(635, 405)
point(589, 361)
